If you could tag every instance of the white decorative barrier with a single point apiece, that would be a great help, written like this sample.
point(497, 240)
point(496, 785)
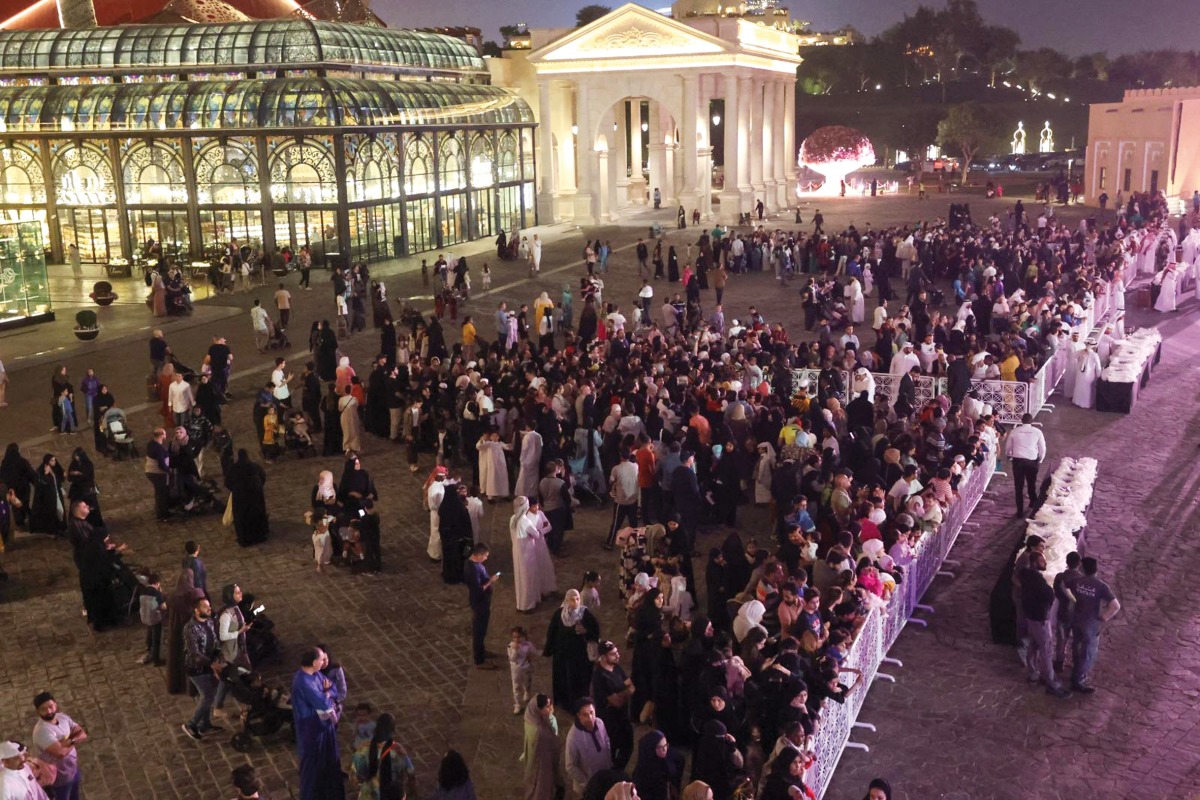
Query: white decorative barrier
point(883, 627)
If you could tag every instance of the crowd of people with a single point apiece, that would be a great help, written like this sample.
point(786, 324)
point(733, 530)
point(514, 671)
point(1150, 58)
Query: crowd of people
point(676, 416)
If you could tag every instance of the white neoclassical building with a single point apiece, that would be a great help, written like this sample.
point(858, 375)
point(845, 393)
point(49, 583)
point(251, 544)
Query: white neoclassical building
point(636, 101)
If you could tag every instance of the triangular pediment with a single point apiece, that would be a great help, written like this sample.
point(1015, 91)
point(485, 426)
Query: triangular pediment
point(630, 31)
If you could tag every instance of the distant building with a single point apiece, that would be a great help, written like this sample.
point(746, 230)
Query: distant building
point(633, 102)
point(1148, 142)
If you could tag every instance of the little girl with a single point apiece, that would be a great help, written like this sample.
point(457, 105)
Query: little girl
point(590, 592)
point(68, 412)
point(322, 543)
point(520, 665)
point(487, 277)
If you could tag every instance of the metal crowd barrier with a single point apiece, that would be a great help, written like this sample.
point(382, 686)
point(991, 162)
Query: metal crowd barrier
point(883, 627)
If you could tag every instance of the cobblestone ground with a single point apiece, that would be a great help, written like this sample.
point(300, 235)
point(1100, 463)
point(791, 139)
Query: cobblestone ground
point(403, 636)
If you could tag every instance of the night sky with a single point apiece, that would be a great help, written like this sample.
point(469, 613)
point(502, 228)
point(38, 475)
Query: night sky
point(1075, 26)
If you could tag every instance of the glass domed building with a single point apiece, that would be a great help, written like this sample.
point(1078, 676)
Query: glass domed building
point(361, 142)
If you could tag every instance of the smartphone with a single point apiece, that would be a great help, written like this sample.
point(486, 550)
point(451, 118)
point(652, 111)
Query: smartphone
point(362, 513)
point(260, 609)
point(497, 575)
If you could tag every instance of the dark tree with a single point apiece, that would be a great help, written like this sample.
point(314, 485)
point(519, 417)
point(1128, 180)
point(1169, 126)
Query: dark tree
point(589, 14)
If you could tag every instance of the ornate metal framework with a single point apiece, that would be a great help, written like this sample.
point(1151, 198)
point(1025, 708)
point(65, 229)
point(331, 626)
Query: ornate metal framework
point(276, 132)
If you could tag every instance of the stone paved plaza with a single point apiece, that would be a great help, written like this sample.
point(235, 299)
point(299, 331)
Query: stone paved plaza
point(959, 722)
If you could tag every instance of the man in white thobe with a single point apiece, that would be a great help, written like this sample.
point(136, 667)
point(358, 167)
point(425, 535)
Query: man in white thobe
point(533, 568)
point(531, 462)
point(1087, 371)
point(904, 361)
point(535, 253)
point(433, 501)
point(17, 781)
point(1069, 350)
point(1104, 345)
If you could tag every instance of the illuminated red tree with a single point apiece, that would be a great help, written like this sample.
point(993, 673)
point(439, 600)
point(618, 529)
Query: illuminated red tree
point(835, 151)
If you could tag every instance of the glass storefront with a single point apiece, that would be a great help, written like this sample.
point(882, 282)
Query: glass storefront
point(220, 226)
point(95, 231)
point(24, 285)
point(168, 228)
point(422, 225)
point(372, 232)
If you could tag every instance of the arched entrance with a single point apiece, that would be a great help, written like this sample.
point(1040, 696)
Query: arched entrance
point(639, 154)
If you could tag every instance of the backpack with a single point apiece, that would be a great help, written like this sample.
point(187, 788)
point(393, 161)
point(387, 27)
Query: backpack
point(150, 609)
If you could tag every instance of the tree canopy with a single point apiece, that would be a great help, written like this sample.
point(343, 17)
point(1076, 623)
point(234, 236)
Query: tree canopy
point(968, 128)
point(589, 14)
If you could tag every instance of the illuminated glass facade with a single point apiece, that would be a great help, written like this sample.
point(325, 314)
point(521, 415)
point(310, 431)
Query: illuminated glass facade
point(360, 141)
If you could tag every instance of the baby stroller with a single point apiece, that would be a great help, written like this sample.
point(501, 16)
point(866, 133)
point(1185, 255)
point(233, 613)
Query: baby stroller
point(117, 434)
point(266, 711)
point(277, 338)
point(261, 642)
point(296, 437)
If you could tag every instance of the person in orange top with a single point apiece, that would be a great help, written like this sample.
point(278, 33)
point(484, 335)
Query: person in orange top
point(702, 428)
point(647, 463)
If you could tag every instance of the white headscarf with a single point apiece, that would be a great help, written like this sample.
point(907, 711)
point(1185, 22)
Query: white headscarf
point(749, 616)
point(325, 488)
point(344, 361)
point(572, 616)
point(520, 506)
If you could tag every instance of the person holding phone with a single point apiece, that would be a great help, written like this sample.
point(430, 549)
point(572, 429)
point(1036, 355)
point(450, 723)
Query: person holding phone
point(479, 597)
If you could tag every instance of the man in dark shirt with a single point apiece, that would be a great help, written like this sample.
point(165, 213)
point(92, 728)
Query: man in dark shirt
point(1064, 585)
point(479, 597)
point(220, 356)
point(201, 650)
point(157, 468)
point(160, 351)
point(191, 560)
point(1095, 604)
point(612, 689)
point(1037, 599)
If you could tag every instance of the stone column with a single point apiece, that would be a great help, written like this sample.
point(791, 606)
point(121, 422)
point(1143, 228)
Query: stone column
point(745, 91)
point(769, 136)
point(605, 190)
point(757, 142)
point(588, 166)
point(689, 194)
point(547, 185)
point(706, 190)
point(789, 135)
point(619, 158)
point(729, 197)
point(783, 196)
point(637, 179)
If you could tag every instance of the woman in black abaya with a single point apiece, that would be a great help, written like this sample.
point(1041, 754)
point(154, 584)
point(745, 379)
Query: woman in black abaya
point(454, 526)
point(672, 265)
point(327, 348)
point(331, 415)
point(103, 402)
point(47, 513)
point(571, 628)
point(245, 480)
point(17, 474)
point(81, 474)
point(355, 486)
point(97, 561)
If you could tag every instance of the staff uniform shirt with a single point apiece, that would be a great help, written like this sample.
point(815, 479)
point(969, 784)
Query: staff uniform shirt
point(1091, 595)
point(1026, 441)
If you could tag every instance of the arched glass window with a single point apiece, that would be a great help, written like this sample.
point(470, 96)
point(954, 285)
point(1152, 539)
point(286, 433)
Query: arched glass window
point(227, 173)
point(508, 158)
point(453, 166)
point(303, 171)
point(483, 161)
point(82, 175)
point(372, 166)
point(21, 177)
point(152, 173)
point(418, 167)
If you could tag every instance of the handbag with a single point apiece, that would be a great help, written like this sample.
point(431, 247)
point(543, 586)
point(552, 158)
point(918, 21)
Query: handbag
point(227, 517)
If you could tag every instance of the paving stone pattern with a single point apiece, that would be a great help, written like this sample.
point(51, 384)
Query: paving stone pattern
point(404, 636)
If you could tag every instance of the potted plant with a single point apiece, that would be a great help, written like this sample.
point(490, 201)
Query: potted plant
point(86, 326)
point(103, 294)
